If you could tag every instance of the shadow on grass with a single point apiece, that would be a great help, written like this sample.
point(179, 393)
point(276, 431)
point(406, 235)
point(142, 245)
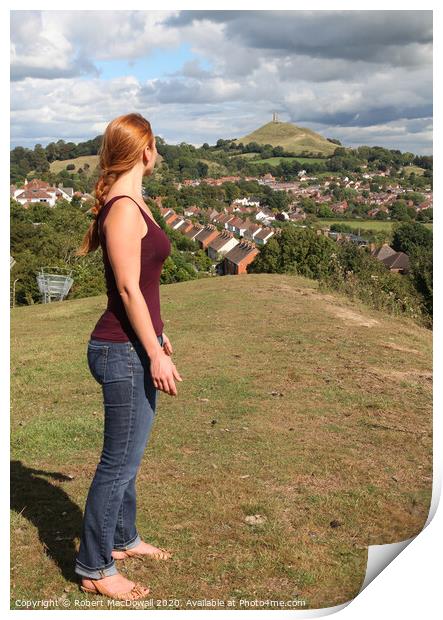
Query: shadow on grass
point(56, 517)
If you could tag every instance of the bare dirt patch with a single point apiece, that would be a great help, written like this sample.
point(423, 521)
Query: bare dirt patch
point(398, 347)
point(350, 315)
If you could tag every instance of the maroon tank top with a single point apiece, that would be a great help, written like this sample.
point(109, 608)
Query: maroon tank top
point(114, 324)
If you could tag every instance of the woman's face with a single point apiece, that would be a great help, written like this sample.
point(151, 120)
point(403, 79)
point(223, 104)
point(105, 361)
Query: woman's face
point(151, 156)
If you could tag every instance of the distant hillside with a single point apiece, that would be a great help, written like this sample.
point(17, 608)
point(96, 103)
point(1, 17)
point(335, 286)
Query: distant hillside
point(79, 162)
point(290, 137)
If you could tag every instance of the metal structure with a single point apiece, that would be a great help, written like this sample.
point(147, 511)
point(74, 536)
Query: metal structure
point(54, 283)
point(13, 293)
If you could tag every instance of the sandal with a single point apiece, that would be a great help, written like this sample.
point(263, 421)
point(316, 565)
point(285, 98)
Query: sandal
point(138, 591)
point(161, 554)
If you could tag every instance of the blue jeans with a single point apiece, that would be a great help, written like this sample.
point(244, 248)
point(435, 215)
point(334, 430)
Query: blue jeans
point(129, 397)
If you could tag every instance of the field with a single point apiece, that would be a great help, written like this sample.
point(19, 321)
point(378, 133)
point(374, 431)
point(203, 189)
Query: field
point(375, 225)
point(214, 166)
point(416, 169)
point(79, 162)
point(304, 408)
point(274, 161)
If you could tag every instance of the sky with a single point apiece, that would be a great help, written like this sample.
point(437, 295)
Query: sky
point(363, 77)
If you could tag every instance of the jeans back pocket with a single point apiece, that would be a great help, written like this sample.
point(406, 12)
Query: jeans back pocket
point(97, 357)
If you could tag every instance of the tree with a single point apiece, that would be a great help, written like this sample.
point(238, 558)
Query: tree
point(420, 260)
point(411, 235)
point(399, 211)
point(296, 250)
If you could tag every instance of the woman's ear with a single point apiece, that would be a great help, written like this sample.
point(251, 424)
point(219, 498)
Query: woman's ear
point(146, 155)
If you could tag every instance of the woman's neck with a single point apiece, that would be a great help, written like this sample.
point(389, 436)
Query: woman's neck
point(129, 183)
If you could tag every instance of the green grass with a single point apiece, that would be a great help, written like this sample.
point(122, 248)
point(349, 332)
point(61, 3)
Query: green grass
point(275, 161)
point(291, 137)
point(291, 407)
point(79, 162)
point(214, 166)
point(417, 169)
point(375, 225)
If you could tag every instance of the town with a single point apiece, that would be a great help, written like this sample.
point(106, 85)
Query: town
point(232, 238)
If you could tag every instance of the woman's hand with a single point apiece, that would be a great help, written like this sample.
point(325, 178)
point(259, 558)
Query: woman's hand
point(167, 347)
point(163, 372)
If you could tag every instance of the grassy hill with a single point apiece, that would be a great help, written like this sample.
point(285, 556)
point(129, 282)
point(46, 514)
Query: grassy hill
point(290, 137)
point(414, 169)
point(295, 405)
point(79, 162)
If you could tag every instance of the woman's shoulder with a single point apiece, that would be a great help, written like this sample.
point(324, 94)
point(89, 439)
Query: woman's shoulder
point(120, 211)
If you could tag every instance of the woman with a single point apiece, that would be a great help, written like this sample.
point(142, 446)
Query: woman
point(128, 354)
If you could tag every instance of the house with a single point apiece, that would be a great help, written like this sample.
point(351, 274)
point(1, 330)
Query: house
point(212, 214)
point(189, 183)
point(68, 192)
point(394, 261)
point(27, 197)
point(382, 252)
point(206, 235)
point(251, 231)
point(166, 212)
point(263, 236)
point(175, 221)
point(265, 215)
point(222, 244)
point(341, 207)
point(398, 262)
point(373, 212)
point(236, 260)
point(193, 231)
point(283, 216)
point(192, 211)
point(40, 191)
point(223, 219)
point(297, 215)
point(267, 178)
point(221, 180)
point(357, 239)
point(246, 202)
point(427, 204)
point(237, 226)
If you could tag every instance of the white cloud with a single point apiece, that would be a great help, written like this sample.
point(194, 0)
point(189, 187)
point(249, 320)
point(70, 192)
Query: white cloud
point(368, 75)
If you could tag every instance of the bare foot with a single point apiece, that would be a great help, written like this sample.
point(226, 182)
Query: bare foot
point(114, 583)
point(142, 549)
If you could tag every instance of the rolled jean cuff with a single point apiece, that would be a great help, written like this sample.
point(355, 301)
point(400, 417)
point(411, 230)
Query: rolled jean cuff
point(132, 543)
point(96, 573)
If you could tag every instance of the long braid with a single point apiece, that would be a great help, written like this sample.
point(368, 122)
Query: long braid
point(102, 188)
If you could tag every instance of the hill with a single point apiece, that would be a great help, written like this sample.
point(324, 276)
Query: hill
point(79, 162)
point(290, 137)
point(296, 405)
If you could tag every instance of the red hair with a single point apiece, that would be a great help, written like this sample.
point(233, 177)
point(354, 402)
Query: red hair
point(124, 139)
